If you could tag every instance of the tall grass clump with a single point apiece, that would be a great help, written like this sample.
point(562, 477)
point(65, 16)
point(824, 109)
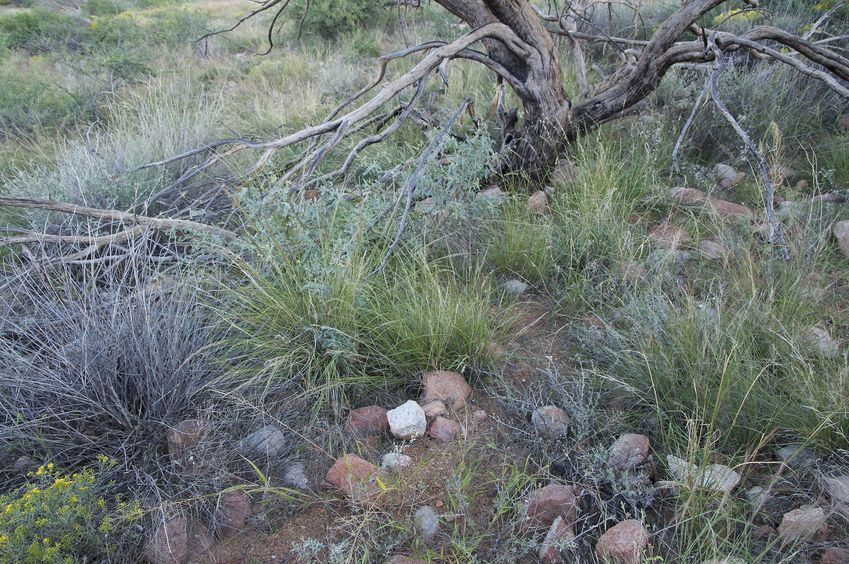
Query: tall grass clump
point(521, 243)
point(100, 361)
point(593, 238)
point(311, 315)
point(740, 359)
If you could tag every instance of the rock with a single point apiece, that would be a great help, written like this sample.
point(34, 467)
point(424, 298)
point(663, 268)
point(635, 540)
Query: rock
point(801, 523)
point(727, 176)
point(716, 477)
point(480, 416)
point(268, 441)
point(763, 532)
point(395, 461)
point(693, 197)
point(177, 540)
point(756, 495)
point(434, 409)
point(629, 450)
point(550, 421)
point(558, 538)
point(838, 488)
point(835, 555)
point(713, 249)
point(841, 233)
point(720, 478)
point(367, 420)
point(296, 476)
point(234, 508)
point(548, 503)
point(843, 122)
point(491, 194)
point(352, 475)
point(426, 521)
point(407, 421)
point(564, 172)
point(444, 430)
point(726, 560)
point(184, 436)
point(624, 543)
point(668, 236)
point(819, 337)
point(515, 286)
point(797, 457)
point(538, 202)
point(24, 464)
point(311, 195)
point(448, 387)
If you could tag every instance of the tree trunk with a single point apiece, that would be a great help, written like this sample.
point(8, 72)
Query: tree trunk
point(532, 147)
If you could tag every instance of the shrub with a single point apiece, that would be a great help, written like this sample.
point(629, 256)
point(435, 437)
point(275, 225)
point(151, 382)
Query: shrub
point(330, 18)
point(39, 29)
point(58, 517)
point(310, 318)
point(521, 243)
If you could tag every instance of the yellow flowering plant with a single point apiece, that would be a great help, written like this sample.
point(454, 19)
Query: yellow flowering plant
point(59, 517)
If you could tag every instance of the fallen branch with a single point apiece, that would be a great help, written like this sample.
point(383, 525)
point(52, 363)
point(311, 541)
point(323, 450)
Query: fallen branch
point(774, 228)
point(105, 215)
point(413, 181)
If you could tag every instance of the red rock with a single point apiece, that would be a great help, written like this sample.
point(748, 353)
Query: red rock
point(550, 421)
point(311, 195)
point(177, 540)
point(723, 207)
point(352, 475)
point(693, 197)
point(629, 451)
point(434, 409)
point(444, 430)
point(835, 556)
point(479, 416)
point(234, 508)
point(184, 435)
point(550, 502)
point(669, 236)
point(558, 535)
point(624, 543)
point(538, 202)
point(367, 420)
point(448, 387)
point(803, 522)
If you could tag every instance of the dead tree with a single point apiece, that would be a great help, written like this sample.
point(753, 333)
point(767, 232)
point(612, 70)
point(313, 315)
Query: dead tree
point(515, 41)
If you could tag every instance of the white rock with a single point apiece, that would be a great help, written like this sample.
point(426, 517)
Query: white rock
point(716, 477)
point(822, 340)
point(395, 461)
point(838, 488)
point(515, 286)
point(407, 421)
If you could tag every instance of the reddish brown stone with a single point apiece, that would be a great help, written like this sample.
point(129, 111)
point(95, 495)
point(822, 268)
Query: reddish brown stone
point(311, 195)
point(176, 541)
point(233, 510)
point(558, 535)
point(538, 202)
point(669, 236)
point(623, 543)
point(835, 556)
point(693, 197)
point(367, 420)
point(351, 474)
point(444, 430)
point(448, 387)
point(763, 531)
point(184, 435)
point(723, 207)
point(550, 502)
point(629, 451)
point(434, 409)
